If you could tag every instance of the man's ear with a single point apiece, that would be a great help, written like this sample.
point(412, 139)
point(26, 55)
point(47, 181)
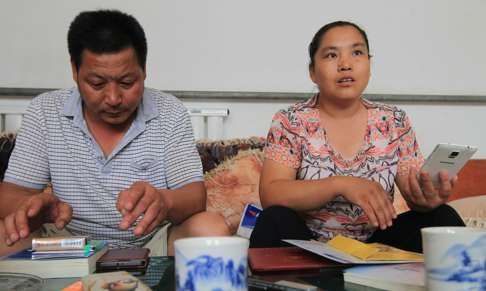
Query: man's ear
point(74, 70)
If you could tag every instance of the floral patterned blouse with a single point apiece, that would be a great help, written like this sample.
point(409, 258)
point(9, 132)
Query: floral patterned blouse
point(298, 140)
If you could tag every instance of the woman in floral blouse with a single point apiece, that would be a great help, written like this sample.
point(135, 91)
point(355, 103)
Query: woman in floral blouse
point(331, 162)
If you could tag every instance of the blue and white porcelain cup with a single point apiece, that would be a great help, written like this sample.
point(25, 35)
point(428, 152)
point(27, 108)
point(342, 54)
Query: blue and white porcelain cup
point(211, 263)
point(455, 258)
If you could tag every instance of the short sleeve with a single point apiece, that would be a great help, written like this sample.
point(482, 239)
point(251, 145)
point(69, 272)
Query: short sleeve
point(410, 156)
point(283, 140)
point(183, 164)
point(28, 164)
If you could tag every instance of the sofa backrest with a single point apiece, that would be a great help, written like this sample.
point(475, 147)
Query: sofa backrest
point(472, 178)
point(213, 153)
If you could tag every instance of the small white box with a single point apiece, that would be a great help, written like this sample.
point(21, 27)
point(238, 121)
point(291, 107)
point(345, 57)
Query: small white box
point(248, 220)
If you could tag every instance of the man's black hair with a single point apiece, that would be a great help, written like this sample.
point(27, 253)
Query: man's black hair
point(106, 31)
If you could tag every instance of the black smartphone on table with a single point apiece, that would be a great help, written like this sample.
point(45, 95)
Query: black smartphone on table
point(130, 259)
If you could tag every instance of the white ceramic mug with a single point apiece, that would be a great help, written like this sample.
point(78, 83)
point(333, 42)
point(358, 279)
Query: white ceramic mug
point(455, 258)
point(211, 263)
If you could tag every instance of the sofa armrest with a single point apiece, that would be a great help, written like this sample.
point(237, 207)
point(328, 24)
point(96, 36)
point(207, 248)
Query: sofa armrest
point(472, 210)
point(472, 180)
point(7, 142)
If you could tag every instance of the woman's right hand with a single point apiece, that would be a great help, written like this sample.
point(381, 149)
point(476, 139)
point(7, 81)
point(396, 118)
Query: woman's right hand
point(371, 197)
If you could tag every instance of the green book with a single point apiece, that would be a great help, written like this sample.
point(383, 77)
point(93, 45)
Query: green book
point(54, 267)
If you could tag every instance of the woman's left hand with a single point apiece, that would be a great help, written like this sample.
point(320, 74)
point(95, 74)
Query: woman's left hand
point(419, 190)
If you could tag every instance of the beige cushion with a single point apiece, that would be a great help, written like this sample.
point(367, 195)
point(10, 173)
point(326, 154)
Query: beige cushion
point(472, 210)
point(399, 203)
point(233, 184)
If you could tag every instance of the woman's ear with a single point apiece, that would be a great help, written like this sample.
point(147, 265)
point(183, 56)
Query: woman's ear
point(312, 74)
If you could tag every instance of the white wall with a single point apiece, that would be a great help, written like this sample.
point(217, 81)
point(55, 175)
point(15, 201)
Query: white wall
point(420, 47)
point(449, 123)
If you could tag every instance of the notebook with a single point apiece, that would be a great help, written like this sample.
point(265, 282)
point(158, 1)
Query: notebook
point(285, 259)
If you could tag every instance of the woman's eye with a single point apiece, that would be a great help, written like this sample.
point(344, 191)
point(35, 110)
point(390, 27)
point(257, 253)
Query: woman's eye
point(330, 55)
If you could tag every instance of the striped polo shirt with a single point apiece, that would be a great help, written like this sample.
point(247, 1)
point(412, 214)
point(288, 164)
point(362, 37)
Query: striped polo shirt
point(54, 145)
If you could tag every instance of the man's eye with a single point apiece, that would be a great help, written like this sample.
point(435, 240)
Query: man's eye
point(358, 52)
point(96, 86)
point(127, 84)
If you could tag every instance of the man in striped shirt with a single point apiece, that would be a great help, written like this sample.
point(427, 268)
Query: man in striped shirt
point(120, 157)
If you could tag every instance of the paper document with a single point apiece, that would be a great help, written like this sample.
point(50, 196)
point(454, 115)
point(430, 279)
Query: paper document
point(350, 251)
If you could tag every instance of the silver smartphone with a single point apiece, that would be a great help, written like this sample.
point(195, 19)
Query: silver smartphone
point(449, 157)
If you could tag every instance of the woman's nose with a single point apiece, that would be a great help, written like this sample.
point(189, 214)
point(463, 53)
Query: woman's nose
point(344, 64)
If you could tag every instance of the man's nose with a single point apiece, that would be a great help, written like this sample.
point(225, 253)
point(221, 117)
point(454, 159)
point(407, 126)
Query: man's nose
point(113, 95)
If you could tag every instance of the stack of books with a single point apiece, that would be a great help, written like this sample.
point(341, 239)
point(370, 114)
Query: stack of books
point(59, 257)
point(397, 277)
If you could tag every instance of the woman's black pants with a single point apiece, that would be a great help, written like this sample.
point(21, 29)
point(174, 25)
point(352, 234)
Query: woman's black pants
point(278, 222)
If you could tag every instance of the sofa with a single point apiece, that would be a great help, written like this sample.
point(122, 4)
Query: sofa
point(232, 172)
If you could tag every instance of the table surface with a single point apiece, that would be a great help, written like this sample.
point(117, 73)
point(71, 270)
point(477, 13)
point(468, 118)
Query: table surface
point(160, 276)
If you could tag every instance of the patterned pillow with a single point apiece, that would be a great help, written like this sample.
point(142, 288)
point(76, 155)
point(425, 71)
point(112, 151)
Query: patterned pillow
point(233, 184)
point(212, 153)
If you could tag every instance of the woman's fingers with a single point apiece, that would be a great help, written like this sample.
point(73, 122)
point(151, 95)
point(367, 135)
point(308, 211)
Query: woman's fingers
point(416, 195)
point(370, 212)
point(384, 210)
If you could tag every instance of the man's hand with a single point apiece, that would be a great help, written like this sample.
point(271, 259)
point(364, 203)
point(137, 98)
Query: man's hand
point(374, 200)
point(145, 201)
point(420, 192)
point(40, 208)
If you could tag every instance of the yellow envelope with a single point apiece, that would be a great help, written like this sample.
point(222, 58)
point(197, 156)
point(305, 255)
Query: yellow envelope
point(373, 251)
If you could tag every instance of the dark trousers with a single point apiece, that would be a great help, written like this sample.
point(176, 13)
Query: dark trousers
point(278, 222)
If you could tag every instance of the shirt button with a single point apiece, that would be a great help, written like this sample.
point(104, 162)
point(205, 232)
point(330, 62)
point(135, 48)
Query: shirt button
point(106, 169)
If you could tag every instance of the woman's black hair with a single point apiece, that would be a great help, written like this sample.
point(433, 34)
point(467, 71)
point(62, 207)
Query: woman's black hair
point(316, 40)
point(106, 31)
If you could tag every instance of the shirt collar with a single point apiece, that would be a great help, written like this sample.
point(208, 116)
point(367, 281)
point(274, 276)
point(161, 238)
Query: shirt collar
point(314, 100)
point(73, 107)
